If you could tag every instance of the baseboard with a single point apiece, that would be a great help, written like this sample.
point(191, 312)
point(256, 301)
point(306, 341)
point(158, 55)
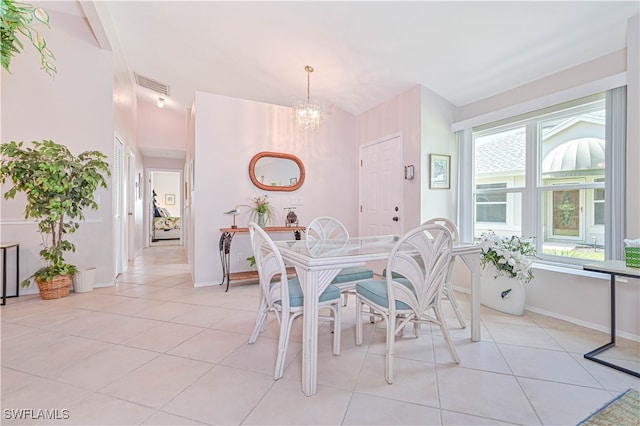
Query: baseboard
point(585, 324)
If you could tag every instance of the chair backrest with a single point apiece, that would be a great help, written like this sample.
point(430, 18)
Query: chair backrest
point(455, 234)
point(326, 228)
point(421, 258)
point(269, 263)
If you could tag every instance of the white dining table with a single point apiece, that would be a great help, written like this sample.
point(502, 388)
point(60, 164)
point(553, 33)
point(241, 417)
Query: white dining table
point(318, 262)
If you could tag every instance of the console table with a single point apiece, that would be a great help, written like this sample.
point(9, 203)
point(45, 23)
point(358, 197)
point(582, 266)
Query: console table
point(227, 236)
point(613, 268)
point(5, 247)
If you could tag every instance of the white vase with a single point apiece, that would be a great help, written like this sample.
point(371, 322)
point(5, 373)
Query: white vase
point(501, 292)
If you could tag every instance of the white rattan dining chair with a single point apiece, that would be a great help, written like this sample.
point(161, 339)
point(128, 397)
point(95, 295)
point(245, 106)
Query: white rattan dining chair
point(417, 270)
point(284, 297)
point(448, 288)
point(330, 228)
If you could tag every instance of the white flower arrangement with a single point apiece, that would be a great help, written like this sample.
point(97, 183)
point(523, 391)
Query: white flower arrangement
point(508, 255)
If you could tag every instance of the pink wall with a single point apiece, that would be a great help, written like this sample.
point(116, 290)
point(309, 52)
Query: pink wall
point(161, 128)
point(228, 132)
point(400, 114)
point(423, 118)
point(74, 109)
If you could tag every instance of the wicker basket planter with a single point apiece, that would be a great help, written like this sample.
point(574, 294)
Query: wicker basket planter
point(56, 288)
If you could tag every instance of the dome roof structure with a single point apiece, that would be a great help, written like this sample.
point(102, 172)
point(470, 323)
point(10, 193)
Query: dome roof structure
point(575, 157)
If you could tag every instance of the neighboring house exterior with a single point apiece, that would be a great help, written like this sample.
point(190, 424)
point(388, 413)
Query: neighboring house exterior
point(572, 152)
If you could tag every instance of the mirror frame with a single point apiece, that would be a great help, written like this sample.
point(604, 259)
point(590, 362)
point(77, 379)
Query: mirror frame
point(262, 186)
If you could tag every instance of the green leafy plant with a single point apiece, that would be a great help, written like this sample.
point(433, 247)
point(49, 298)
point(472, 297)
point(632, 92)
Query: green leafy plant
point(16, 17)
point(508, 255)
point(260, 205)
point(251, 260)
point(58, 186)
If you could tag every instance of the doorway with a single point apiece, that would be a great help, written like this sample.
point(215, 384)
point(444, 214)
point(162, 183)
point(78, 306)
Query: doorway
point(381, 178)
point(165, 208)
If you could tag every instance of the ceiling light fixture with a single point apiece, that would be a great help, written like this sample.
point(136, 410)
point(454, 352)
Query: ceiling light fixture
point(307, 116)
point(160, 102)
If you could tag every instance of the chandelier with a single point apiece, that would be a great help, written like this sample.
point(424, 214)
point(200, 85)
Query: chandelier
point(307, 116)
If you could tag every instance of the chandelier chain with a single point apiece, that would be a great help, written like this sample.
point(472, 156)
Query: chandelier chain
point(309, 70)
point(307, 116)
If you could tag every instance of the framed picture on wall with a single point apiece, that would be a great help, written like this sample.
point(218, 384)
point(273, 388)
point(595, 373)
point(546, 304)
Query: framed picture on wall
point(440, 172)
point(170, 199)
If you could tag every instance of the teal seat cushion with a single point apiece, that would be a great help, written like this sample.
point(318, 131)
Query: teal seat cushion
point(352, 274)
point(296, 298)
point(376, 291)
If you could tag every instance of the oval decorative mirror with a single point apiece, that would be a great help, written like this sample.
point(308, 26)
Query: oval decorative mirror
point(276, 171)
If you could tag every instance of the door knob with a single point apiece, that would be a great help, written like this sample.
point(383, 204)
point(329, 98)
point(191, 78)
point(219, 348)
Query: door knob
point(395, 218)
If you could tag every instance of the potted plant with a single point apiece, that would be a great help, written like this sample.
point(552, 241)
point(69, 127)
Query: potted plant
point(17, 18)
point(58, 186)
point(506, 267)
point(261, 210)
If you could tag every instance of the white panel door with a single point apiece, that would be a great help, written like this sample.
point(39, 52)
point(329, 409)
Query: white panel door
point(131, 195)
point(118, 176)
point(381, 175)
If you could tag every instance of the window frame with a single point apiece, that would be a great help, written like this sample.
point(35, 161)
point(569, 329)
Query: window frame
point(492, 190)
point(534, 190)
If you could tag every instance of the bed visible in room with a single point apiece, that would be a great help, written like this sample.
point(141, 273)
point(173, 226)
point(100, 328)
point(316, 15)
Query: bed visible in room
point(165, 226)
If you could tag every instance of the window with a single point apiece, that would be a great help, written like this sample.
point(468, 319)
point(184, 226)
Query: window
point(598, 205)
point(491, 206)
point(543, 174)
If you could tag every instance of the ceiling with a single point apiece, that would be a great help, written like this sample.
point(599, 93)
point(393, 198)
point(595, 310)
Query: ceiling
point(364, 53)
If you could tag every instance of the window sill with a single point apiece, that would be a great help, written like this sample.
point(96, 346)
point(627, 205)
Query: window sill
point(572, 270)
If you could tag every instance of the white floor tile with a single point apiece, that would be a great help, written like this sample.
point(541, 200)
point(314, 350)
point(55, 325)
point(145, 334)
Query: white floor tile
point(222, 396)
point(285, 404)
point(113, 411)
point(552, 405)
point(158, 381)
point(484, 394)
point(372, 410)
point(546, 364)
point(154, 350)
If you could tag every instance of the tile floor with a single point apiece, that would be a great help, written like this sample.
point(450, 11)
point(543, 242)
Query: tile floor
point(154, 350)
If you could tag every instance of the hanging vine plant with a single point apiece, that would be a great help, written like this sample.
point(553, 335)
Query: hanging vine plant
point(16, 17)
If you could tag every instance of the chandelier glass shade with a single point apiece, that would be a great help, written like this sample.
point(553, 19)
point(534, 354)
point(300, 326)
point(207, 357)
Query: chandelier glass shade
point(306, 115)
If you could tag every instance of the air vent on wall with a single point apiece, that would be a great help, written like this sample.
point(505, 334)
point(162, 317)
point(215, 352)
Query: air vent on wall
point(151, 84)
